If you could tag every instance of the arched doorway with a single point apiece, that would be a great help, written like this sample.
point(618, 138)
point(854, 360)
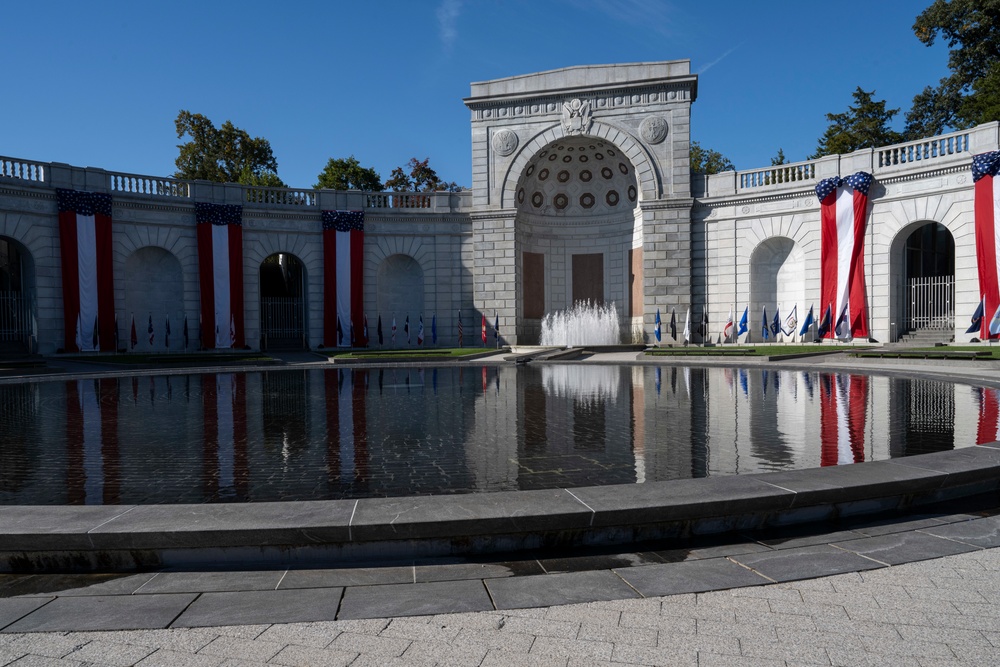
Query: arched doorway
point(282, 303)
point(776, 269)
point(16, 328)
point(929, 282)
point(399, 294)
point(154, 294)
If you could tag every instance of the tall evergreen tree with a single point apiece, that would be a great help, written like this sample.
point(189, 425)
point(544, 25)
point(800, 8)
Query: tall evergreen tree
point(865, 124)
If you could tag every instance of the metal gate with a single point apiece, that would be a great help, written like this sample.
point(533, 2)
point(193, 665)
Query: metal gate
point(15, 320)
point(931, 304)
point(282, 324)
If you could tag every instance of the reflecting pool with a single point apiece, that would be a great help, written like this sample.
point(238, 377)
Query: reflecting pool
point(322, 434)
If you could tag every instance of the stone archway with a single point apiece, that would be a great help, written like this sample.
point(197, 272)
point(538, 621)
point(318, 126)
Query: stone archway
point(922, 282)
point(17, 305)
point(282, 303)
point(154, 295)
point(776, 269)
point(399, 294)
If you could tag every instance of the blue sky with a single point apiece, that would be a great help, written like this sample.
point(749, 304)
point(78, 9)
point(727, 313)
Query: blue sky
point(100, 83)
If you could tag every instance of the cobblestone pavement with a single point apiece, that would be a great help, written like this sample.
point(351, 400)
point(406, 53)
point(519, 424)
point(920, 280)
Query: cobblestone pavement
point(944, 611)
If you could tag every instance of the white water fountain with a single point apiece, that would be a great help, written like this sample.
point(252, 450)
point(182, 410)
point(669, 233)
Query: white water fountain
point(586, 323)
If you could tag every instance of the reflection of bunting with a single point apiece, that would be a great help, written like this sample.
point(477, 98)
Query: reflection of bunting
point(346, 426)
point(87, 276)
point(985, 167)
point(220, 267)
point(92, 442)
point(843, 407)
point(225, 466)
point(343, 271)
point(843, 217)
point(988, 429)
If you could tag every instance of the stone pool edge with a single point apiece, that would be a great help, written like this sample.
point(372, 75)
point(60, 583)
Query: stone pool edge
point(314, 533)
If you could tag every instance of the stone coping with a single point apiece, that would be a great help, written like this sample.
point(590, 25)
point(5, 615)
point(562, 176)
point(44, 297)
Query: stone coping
point(123, 538)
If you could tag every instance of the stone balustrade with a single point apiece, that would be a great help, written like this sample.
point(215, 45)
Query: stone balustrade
point(24, 170)
point(776, 175)
point(148, 185)
point(281, 197)
point(923, 150)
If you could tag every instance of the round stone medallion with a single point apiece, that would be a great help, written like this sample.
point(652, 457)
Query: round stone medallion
point(505, 142)
point(653, 129)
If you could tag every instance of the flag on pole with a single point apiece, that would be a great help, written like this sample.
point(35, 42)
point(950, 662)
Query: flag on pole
point(166, 335)
point(985, 167)
point(149, 330)
point(87, 276)
point(496, 327)
point(656, 329)
point(727, 330)
point(791, 322)
point(116, 332)
point(484, 329)
point(420, 331)
point(186, 340)
point(134, 340)
point(673, 324)
point(843, 218)
point(826, 322)
point(703, 325)
point(393, 329)
point(406, 329)
point(764, 331)
point(776, 324)
point(807, 324)
point(378, 329)
point(977, 318)
point(220, 267)
point(687, 325)
point(461, 330)
point(434, 329)
point(364, 331)
point(842, 329)
point(995, 323)
point(343, 272)
point(744, 322)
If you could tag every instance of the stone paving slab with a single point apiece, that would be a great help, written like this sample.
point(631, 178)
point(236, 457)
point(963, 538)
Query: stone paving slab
point(556, 589)
point(983, 533)
point(12, 609)
point(104, 612)
point(440, 597)
point(689, 577)
point(256, 607)
point(199, 582)
point(349, 576)
point(805, 562)
point(907, 547)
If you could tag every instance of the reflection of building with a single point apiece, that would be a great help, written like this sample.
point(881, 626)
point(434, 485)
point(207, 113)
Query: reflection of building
point(581, 189)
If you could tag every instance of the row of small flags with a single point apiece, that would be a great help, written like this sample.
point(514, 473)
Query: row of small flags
point(787, 326)
point(420, 330)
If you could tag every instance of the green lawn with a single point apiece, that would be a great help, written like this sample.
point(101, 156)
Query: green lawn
point(409, 353)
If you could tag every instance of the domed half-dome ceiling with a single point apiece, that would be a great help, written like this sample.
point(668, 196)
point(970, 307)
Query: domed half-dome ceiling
point(578, 177)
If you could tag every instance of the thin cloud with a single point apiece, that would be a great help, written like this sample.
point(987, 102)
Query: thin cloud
point(447, 16)
point(719, 59)
point(656, 15)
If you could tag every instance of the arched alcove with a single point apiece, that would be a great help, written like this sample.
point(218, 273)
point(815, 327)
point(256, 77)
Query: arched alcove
point(154, 294)
point(17, 302)
point(282, 302)
point(777, 266)
point(922, 281)
point(399, 293)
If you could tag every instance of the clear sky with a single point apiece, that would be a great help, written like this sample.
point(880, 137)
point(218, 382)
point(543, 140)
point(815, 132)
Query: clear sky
point(100, 83)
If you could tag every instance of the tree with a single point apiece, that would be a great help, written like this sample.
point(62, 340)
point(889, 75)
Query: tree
point(708, 161)
point(779, 159)
point(224, 155)
point(969, 95)
point(348, 174)
point(418, 176)
point(863, 125)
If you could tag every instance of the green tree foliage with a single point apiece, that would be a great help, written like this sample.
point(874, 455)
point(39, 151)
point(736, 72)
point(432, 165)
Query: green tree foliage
point(865, 124)
point(348, 174)
point(418, 176)
point(224, 155)
point(970, 94)
point(779, 159)
point(708, 161)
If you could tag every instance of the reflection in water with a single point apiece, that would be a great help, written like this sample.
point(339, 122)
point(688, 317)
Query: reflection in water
point(335, 433)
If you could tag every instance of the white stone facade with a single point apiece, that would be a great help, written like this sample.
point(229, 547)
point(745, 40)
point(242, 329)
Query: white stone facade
point(616, 201)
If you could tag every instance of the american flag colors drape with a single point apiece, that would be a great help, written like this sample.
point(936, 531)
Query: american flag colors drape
point(220, 268)
point(844, 216)
point(87, 270)
point(843, 414)
point(343, 278)
point(987, 212)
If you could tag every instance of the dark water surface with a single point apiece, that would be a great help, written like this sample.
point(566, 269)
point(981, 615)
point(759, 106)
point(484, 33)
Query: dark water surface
point(323, 434)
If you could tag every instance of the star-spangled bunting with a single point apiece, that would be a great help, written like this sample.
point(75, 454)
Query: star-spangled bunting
point(218, 214)
point(985, 164)
point(860, 181)
point(344, 221)
point(84, 203)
